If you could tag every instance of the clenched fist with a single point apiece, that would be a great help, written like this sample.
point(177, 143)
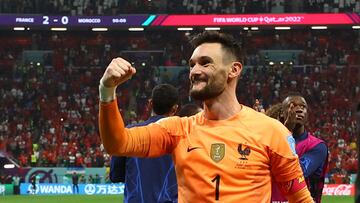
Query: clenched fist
point(117, 72)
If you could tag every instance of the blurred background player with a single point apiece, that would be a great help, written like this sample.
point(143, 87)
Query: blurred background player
point(75, 182)
point(312, 151)
point(258, 106)
point(189, 110)
point(275, 111)
point(33, 184)
point(149, 179)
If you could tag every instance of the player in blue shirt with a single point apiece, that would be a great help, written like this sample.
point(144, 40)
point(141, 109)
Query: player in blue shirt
point(149, 180)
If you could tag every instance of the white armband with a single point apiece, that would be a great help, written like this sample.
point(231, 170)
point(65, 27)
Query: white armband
point(106, 94)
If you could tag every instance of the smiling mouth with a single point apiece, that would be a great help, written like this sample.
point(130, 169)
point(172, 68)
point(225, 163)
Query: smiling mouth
point(198, 81)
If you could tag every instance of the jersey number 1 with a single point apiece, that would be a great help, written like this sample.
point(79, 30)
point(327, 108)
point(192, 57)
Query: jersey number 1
point(217, 187)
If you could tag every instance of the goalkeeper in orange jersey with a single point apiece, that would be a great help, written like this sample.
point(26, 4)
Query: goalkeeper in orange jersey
point(226, 153)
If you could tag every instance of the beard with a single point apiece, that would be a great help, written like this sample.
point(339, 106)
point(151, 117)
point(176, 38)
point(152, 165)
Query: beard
point(210, 91)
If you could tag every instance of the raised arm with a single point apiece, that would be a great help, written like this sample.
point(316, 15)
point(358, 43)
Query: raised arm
point(111, 125)
point(145, 141)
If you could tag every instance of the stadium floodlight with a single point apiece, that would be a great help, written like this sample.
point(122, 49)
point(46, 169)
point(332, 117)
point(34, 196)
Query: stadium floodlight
point(9, 166)
point(246, 28)
point(185, 28)
point(99, 29)
point(254, 28)
point(356, 27)
point(136, 29)
point(58, 29)
point(19, 28)
point(212, 28)
point(319, 27)
point(282, 28)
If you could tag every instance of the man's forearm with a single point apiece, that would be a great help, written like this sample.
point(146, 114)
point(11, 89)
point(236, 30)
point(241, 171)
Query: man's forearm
point(111, 127)
point(110, 120)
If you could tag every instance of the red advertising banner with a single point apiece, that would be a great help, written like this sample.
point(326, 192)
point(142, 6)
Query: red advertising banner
point(339, 189)
point(257, 19)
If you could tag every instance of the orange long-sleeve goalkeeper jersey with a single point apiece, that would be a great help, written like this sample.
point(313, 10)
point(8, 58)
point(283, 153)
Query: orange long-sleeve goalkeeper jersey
point(228, 160)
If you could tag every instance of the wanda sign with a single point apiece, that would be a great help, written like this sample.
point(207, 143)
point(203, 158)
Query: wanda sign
point(339, 189)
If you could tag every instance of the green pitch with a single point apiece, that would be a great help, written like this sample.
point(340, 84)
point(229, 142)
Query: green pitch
point(338, 199)
point(114, 199)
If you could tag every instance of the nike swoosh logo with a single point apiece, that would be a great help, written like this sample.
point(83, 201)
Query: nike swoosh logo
point(189, 149)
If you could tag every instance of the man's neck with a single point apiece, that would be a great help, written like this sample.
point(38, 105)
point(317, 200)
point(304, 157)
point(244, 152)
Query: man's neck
point(298, 130)
point(223, 107)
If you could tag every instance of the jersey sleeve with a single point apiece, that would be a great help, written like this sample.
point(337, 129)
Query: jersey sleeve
point(159, 138)
point(146, 141)
point(284, 162)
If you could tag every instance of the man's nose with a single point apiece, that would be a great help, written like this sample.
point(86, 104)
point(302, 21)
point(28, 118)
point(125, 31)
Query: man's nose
point(195, 69)
point(299, 109)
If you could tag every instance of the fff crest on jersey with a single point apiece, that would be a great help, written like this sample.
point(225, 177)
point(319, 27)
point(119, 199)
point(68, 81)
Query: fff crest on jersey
point(217, 151)
point(244, 151)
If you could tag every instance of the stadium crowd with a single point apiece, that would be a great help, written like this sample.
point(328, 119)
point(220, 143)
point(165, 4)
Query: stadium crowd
point(115, 7)
point(49, 108)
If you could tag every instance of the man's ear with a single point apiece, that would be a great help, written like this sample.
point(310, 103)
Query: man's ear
point(235, 70)
point(174, 110)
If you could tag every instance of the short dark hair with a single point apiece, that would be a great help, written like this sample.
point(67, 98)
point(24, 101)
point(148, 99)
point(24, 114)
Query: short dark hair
point(293, 94)
point(189, 110)
point(276, 111)
point(164, 97)
point(228, 42)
